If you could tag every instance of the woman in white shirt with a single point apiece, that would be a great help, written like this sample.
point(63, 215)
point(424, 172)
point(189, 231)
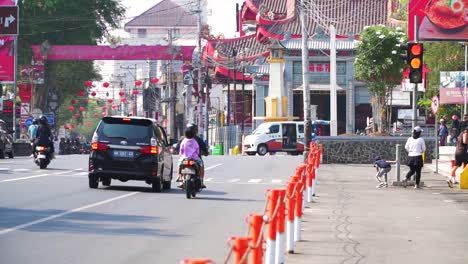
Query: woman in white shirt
point(415, 146)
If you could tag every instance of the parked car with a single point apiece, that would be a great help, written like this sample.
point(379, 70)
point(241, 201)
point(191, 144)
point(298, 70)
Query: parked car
point(130, 148)
point(6, 141)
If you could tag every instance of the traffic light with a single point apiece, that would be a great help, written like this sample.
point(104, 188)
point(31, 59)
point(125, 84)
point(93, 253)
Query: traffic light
point(415, 61)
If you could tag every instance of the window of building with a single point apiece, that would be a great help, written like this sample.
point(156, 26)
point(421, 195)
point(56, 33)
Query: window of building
point(142, 32)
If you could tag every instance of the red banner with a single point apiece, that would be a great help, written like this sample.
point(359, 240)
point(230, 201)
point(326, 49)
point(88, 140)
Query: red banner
point(7, 2)
point(439, 19)
point(25, 92)
point(7, 59)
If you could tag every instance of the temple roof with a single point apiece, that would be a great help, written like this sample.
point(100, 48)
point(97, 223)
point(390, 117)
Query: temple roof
point(280, 19)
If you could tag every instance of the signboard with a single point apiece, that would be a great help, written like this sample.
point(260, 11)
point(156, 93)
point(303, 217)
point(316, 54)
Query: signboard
point(28, 122)
point(9, 20)
point(452, 87)
point(438, 20)
point(435, 104)
point(406, 86)
point(7, 59)
point(8, 2)
point(50, 118)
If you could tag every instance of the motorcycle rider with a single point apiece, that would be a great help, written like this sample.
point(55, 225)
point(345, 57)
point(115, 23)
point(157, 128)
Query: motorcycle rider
point(32, 134)
point(44, 135)
point(203, 150)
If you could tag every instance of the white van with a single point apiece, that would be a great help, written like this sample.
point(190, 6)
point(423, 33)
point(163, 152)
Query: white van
point(283, 136)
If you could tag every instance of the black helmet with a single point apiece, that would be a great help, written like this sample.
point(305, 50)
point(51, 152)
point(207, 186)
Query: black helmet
point(35, 121)
point(43, 119)
point(192, 127)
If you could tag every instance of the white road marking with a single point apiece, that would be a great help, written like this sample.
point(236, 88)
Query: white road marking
point(212, 167)
point(25, 178)
point(20, 170)
point(4, 169)
point(449, 201)
point(6, 162)
point(276, 181)
point(233, 180)
point(79, 169)
point(207, 180)
point(62, 172)
point(255, 180)
point(18, 227)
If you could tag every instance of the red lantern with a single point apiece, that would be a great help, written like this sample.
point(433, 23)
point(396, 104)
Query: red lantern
point(114, 106)
point(106, 84)
point(93, 94)
point(80, 93)
point(71, 108)
point(96, 115)
point(123, 100)
point(104, 114)
point(155, 80)
point(121, 93)
point(89, 83)
point(73, 126)
point(77, 115)
point(81, 109)
point(135, 91)
point(85, 101)
point(110, 101)
point(104, 108)
point(73, 101)
point(65, 126)
point(88, 124)
point(138, 83)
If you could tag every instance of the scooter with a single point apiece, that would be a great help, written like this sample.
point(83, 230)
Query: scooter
point(42, 156)
point(190, 171)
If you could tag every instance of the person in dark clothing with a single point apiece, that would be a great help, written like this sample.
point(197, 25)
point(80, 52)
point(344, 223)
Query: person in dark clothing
point(454, 129)
point(463, 124)
point(383, 167)
point(460, 155)
point(44, 135)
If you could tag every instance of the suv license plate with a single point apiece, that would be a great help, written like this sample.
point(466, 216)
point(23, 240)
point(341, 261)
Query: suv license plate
point(123, 154)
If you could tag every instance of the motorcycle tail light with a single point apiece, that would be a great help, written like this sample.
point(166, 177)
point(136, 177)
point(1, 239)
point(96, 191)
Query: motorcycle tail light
point(149, 150)
point(188, 162)
point(98, 146)
point(153, 173)
point(40, 148)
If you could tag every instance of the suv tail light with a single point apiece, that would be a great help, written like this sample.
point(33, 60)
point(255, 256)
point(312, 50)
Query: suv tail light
point(149, 149)
point(99, 146)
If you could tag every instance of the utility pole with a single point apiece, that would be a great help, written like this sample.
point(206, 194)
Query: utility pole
point(305, 82)
point(234, 79)
point(333, 105)
point(199, 72)
point(172, 92)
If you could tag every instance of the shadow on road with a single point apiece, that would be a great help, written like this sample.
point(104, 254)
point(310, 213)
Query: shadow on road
point(83, 222)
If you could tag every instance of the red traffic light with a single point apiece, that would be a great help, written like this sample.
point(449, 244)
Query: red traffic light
point(416, 49)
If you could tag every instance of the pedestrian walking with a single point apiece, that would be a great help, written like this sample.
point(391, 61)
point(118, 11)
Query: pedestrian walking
point(443, 133)
point(383, 167)
point(461, 155)
point(415, 146)
point(454, 129)
point(463, 124)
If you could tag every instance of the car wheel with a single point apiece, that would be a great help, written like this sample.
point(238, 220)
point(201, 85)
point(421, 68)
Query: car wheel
point(262, 150)
point(251, 153)
point(2, 152)
point(93, 181)
point(167, 184)
point(11, 155)
point(106, 181)
point(156, 184)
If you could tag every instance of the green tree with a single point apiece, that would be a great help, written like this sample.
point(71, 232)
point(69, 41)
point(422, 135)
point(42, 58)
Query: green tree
point(64, 22)
point(379, 66)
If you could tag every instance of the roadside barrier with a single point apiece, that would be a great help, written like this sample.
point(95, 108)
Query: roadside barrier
point(283, 212)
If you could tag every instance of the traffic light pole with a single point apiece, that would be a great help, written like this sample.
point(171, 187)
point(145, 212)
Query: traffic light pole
point(415, 88)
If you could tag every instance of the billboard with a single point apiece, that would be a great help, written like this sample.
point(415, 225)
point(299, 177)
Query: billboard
point(439, 19)
point(7, 59)
point(7, 2)
point(452, 87)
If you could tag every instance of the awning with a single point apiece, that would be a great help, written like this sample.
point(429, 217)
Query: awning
point(319, 87)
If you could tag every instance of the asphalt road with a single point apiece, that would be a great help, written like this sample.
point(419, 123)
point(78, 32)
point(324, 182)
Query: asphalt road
point(51, 216)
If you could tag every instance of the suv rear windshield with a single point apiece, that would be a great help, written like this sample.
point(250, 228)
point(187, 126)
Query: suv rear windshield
point(131, 130)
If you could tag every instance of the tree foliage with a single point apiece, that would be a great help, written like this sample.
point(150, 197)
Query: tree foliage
point(379, 66)
point(64, 22)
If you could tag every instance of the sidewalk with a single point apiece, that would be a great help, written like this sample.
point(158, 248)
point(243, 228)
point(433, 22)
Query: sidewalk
point(350, 221)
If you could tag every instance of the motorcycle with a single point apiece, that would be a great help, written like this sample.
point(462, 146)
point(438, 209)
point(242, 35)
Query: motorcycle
point(190, 171)
point(42, 156)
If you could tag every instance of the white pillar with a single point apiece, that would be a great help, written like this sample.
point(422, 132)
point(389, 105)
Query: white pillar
point(290, 236)
point(279, 253)
point(333, 106)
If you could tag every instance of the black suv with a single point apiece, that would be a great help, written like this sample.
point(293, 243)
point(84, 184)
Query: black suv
point(130, 148)
point(6, 141)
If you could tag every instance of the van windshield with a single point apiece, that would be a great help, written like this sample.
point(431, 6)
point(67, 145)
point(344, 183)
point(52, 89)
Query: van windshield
point(261, 129)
